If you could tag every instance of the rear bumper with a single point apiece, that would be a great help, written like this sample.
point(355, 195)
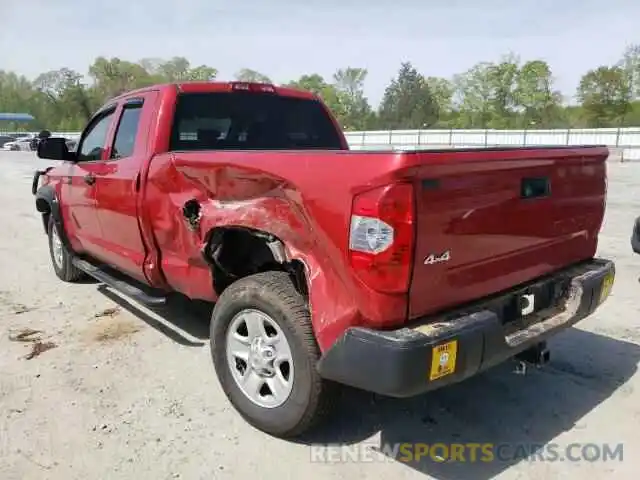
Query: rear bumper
point(405, 362)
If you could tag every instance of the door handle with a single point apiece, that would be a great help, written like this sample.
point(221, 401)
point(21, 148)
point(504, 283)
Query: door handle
point(89, 179)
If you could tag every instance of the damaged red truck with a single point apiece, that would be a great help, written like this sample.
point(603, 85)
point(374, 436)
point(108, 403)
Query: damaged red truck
point(393, 272)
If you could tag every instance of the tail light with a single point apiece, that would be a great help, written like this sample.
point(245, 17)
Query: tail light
point(381, 237)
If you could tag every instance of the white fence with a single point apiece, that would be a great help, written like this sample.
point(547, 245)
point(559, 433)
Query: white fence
point(625, 142)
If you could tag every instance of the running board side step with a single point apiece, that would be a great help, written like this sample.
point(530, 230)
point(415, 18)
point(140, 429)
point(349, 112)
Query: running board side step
point(122, 286)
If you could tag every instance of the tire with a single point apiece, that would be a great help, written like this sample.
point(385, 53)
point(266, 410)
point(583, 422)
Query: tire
point(272, 297)
point(60, 257)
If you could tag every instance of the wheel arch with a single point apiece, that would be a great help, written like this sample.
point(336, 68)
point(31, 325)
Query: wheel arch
point(235, 252)
point(48, 205)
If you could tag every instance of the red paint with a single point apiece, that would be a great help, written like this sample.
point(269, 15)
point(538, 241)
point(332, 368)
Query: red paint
point(306, 199)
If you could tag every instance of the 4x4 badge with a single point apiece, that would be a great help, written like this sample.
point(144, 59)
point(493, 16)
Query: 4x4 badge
point(435, 258)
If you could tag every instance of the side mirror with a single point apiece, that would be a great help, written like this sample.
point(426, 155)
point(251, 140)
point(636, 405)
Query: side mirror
point(54, 148)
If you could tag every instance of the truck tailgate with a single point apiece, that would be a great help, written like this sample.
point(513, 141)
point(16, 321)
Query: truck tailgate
point(488, 220)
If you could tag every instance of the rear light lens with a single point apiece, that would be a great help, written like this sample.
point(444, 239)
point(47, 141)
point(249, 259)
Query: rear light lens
point(253, 87)
point(240, 86)
point(381, 237)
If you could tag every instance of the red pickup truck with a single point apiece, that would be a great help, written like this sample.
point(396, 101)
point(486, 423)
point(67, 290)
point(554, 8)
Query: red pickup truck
point(394, 272)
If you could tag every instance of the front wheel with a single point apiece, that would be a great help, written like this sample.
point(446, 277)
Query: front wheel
point(60, 256)
point(265, 355)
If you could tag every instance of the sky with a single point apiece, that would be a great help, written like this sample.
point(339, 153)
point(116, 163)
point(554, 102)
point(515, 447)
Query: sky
point(286, 38)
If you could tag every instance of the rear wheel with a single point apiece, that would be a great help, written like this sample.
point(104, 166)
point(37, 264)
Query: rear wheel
point(265, 355)
point(60, 256)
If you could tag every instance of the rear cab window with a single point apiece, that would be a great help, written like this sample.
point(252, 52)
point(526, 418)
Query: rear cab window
point(251, 121)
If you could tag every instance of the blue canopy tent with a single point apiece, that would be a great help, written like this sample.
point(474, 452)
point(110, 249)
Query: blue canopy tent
point(16, 117)
point(16, 122)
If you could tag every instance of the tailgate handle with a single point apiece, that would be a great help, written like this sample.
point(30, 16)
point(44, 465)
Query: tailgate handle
point(535, 187)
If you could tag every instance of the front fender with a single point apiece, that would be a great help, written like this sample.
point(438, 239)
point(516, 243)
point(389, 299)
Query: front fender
point(36, 179)
point(47, 203)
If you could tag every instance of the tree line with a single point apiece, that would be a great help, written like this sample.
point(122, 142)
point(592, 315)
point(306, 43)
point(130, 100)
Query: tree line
point(507, 94)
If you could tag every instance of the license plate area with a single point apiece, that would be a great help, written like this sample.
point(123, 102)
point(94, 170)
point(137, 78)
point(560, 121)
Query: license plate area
point(548, 294)
point(607, 285)
point(443, 359)
point(533, 299)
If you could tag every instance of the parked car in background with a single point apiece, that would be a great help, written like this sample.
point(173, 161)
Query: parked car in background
point(22, 144)
point(6, 139)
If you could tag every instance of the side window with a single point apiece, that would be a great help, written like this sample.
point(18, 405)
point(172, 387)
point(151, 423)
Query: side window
point(125, 139)
point(93, 142)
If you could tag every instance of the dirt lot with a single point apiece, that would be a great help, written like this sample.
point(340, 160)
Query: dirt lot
point(124, 392)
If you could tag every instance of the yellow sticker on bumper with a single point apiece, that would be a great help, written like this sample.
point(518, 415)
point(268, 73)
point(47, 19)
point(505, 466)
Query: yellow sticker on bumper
point(443, 360)
point(607, 285)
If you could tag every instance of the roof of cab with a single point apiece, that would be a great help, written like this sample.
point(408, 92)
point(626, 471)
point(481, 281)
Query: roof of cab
point(213, 86)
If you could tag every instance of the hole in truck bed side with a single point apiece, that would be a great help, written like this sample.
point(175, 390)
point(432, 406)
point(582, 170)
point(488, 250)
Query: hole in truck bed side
point(192, 213)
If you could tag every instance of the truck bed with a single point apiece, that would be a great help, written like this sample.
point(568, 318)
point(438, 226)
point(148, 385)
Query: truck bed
point(485, 220)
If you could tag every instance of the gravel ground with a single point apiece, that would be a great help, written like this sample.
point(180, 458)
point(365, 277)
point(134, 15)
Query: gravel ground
point(126, 392)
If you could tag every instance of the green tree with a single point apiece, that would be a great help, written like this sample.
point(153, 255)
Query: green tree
point(313, 83)
point(317, 85)
point(605, 96)
point(65, 97)
point(408, 101)
point(630, 64)
point(502, 80)
point(473, 95)
point(356, 112)
point(17, 95)
point(201, 73)
point(176, 69)
point(539, 102)
point(113, 76)
point(504, 94)
point(442, 91)
point(253, 76)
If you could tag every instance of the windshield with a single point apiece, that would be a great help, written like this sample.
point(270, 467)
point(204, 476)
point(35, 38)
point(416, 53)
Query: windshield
point(251, 121)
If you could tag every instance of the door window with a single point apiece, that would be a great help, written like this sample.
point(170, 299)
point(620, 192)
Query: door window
point(95, 139)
